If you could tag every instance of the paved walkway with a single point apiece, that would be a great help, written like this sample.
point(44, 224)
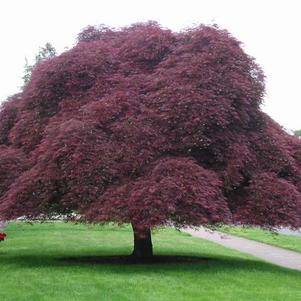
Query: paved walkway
point(289, 232)
point(275, 255)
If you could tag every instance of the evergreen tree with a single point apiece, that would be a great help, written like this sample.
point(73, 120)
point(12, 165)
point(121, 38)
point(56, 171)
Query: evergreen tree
point(297, 133)
point(45, 52)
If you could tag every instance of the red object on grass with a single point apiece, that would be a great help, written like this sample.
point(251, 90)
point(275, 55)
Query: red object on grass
point(2, 236)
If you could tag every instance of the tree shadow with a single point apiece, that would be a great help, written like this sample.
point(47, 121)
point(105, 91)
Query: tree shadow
point(123, 264)
point(129, 260)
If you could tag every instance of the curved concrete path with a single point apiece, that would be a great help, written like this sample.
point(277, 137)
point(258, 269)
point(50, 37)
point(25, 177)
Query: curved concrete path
point(275, 255)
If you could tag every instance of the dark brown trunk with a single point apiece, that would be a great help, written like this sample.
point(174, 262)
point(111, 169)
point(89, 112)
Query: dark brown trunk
point(143, 247)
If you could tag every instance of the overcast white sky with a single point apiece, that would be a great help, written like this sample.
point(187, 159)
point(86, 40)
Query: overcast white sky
point(269, 29)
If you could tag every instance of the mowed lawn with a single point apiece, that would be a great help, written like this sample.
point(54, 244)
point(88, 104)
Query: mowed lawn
point(291, 242)
point(32, 268)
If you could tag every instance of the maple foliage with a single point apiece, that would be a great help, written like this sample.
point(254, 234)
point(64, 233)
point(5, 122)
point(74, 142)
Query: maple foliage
point(147, 126)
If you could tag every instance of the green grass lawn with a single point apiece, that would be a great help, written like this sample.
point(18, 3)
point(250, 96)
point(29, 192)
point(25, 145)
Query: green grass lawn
point(32, 269)
point(291, 242)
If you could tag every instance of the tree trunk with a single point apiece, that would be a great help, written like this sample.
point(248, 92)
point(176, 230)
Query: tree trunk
point(143, 247)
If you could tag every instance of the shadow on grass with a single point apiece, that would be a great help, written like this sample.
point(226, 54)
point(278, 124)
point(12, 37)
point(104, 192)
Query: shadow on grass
point(161, 263)
point(129, 260)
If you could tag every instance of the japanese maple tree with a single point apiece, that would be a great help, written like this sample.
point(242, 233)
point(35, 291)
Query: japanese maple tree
point(151, 127)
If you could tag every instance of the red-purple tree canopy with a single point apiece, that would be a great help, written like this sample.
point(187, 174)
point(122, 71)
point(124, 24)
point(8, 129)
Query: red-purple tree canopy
point(146, 126)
